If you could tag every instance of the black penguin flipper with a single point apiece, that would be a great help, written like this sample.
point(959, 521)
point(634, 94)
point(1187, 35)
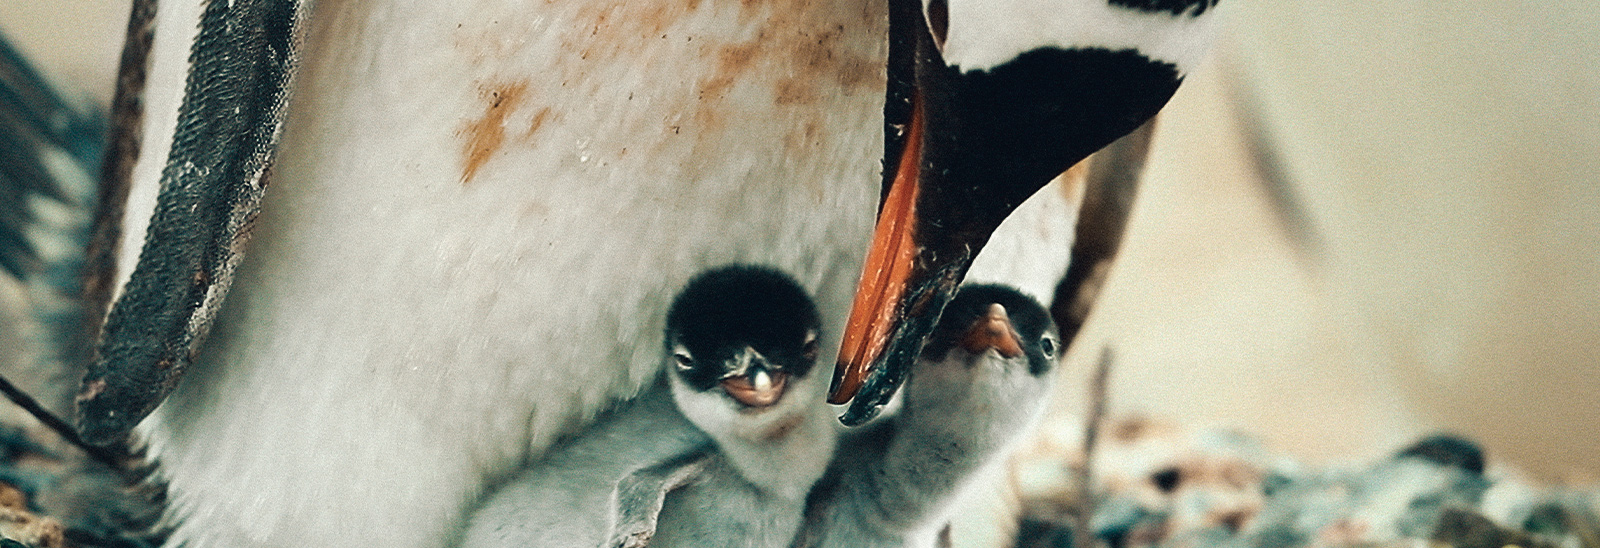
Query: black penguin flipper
point(233, 106)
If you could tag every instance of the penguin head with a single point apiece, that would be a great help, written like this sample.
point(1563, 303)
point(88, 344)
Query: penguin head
point(986, 102)
point(740, 338)
point(997, 321)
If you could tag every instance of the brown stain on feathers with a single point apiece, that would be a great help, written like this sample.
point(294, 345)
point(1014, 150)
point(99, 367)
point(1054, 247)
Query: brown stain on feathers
point(608, 30)
point(710, 66)
point(809, 51)
point(485, 134)
point(801, 53)
point(732, 61)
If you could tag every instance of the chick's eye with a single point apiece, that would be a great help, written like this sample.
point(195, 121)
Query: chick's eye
point(683, 360)
point(1048, 345)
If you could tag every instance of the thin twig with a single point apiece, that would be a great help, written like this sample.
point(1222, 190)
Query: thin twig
point(1098, 397)
point(113, 457)
point(1110, 187)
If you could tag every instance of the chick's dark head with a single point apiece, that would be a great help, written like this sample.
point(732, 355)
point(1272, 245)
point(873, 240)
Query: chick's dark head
point(741, 322)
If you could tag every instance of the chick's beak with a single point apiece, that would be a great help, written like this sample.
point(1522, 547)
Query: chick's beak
point(757, 387)
point(993, 330)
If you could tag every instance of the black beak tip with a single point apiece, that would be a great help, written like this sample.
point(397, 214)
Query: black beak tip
point(861, 410)
point(886, 378)
point(905, 343)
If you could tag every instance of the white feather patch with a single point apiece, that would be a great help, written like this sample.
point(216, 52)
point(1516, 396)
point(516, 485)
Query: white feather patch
point(984, 34)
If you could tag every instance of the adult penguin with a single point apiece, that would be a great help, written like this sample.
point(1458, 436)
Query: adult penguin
point(475, 197)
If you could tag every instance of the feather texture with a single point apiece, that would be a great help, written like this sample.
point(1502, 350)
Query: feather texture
point(478, 210)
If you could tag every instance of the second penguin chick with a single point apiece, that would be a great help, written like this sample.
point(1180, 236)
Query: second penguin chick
point(980, 382)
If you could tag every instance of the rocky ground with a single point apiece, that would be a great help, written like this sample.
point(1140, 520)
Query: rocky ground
point(1158, 485)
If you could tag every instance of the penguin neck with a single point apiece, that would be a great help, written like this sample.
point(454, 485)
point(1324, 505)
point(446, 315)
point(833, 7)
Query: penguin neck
point(781, 450)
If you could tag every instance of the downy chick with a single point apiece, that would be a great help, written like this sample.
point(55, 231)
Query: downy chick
point(721, 452)
point(980, 382)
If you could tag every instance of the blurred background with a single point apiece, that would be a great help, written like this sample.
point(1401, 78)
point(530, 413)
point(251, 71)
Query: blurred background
point(1364, 221)
point(1445, 272)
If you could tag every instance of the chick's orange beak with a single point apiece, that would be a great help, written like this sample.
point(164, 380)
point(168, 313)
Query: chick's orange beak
point(993, 330)
point(758, 389)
